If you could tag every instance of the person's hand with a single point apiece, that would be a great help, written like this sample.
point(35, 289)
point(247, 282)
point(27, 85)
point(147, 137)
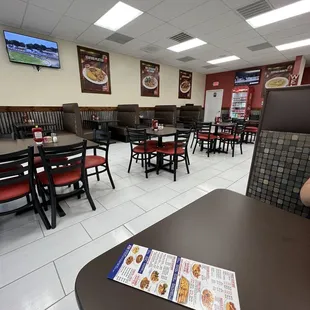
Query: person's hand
point(305, 194)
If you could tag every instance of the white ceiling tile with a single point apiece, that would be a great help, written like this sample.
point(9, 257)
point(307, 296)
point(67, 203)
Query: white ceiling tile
point(60, 6)
point(200, 14)
point(163, 31)
point(134, 45)
point(89, 10)
point(143, 5)
point(110, 45)
point(69, 28)
point(214, 24)
point(165, 43)
point(40, 20)
point(170, 9)
point(94, 35)
point(297, 51)
point(234, 4)
point(12, 12)
point(285, 24)
point(140, 25)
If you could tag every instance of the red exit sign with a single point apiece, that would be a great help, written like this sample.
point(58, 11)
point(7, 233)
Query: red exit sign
point(216, 83)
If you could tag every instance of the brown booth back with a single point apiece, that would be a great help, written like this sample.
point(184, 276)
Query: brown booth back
point(166, 114)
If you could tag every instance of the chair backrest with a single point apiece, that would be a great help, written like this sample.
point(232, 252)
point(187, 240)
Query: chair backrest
point(69, 158)
point(17, 167)
point(72, 118)
point(204, 128)
point(181, 139)
point(103, 138)
point(137, 137)
point(238, 129)
point(166, 114)
point(128, 115)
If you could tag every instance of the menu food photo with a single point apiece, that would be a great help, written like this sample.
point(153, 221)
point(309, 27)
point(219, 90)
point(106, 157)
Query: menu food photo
point(185, 84)
point(150, 79)
point(278, 76)
point(180, 280)
point(94, 71)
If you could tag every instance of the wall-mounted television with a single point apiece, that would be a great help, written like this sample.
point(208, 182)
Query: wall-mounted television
point(31, 51)
point(247, 77)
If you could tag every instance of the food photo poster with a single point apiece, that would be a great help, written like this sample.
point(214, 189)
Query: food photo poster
point(150, 79)
point(185, 84)
point(94, 69)
point(277, 76)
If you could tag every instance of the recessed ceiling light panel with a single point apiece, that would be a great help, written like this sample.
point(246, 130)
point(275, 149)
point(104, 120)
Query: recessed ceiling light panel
point(291, 45)
point(186, 45)
point(285, 12)
point(117, 17)
point(221, 60)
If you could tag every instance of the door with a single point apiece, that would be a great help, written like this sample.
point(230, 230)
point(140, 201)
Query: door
point(213, 104)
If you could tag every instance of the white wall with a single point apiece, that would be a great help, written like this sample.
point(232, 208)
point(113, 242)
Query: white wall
point(23, 85)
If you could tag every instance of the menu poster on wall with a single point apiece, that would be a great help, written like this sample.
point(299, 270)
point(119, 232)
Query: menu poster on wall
point(94, 71)
point(185, 84)
point(180, 280)
point(150, 79)
point(277, 76)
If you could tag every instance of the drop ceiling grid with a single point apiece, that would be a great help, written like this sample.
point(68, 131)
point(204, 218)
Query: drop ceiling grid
point(215, 21)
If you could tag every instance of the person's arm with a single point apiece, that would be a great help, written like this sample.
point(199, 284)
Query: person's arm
point(305, 194)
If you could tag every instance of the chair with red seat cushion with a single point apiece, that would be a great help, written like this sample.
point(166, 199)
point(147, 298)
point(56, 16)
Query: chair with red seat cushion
point(139, 145)
point(176, 152)
point(38, 161)
point(205, 136)
point(250, 132)
point(96, 161)
point(17, 181)
point(235, 138)
point(67, 172)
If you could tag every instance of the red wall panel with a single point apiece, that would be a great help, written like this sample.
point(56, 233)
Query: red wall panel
point(227, 80)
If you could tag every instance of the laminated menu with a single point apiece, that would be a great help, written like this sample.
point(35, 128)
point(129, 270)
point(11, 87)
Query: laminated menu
point(177, 279)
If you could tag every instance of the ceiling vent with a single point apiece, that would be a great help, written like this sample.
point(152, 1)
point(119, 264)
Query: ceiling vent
point(186, 59)
point(259, 47)
point(151, 49)
point(119, 38)
point(181, 37)
point(254, 9)
point(209, 66)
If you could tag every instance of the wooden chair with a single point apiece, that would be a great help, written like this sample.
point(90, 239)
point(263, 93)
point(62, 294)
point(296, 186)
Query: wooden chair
point(17, 181)
point(140, 145)
point(205, 136)
point(235, 138)
point(176, 152)
point(66, 173)
point(95, 161)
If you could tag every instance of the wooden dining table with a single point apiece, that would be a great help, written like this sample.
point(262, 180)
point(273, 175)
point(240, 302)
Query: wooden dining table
point(267, 248)
point(10, 146)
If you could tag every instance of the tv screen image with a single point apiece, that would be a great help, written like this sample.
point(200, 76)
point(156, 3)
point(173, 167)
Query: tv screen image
point(250, 77)
point(31, 51)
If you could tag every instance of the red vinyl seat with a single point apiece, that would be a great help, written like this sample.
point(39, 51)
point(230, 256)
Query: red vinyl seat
point(8, 192)
point(151, 143)
point(171, 150)
point(61, 179)
point(140, 149)
point(38, 161)
point(206, 137)
point(251, 129)
point(92, 161)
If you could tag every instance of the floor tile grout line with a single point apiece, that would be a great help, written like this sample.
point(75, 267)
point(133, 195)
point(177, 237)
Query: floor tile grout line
point(59, 278)
point(86, 231)
point(53, 304)
point(24, 244)
point(3, 231)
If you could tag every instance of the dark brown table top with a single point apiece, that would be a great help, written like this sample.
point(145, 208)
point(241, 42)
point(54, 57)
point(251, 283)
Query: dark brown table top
point(268, 248)
point(9, 146)
point(102, 121)
point(167, 131)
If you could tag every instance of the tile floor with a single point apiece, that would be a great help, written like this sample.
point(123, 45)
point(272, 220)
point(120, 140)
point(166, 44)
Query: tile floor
point(38, 267)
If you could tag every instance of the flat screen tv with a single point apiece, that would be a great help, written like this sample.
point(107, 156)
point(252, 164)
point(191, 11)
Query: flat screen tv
point(31, 51)
point(249, 77)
